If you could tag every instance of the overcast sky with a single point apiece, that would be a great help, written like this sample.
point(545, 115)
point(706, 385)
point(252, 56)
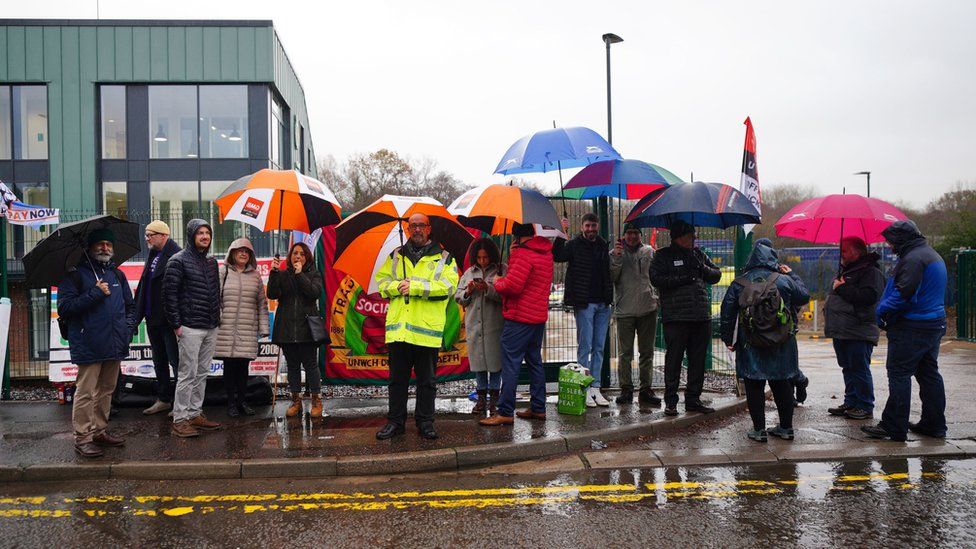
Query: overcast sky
point(833, 87)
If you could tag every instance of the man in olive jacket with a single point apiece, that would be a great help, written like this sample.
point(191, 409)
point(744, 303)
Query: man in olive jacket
point(681, 273)
point(851, 322)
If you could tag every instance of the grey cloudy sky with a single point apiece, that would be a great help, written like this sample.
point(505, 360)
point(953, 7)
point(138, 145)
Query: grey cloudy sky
point(833, 87)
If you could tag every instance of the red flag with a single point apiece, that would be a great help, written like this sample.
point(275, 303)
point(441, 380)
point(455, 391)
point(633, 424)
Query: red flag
point(749, 184)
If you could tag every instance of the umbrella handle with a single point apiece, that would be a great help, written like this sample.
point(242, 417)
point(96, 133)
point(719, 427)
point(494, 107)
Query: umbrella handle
point(406, 298)
point(562, 194)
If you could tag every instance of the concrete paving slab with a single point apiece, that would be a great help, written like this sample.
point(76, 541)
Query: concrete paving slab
point(11, 473)
point(67, 471)
point(171, 470)
point(820, 452)
point(760, 454)
point(966, 445)
point(410, 462)
point(628, 459)
point(291, 468)
point(932, 448)
point(692, 457)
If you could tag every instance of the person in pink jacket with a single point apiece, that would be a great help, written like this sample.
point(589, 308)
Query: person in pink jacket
point(525, 307)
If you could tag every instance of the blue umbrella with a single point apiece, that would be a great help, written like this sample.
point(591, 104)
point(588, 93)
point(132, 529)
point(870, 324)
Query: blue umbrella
point(700, 204)
point(555, 149)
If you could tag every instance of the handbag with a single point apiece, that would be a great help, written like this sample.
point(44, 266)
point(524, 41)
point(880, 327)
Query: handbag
point(316, 325)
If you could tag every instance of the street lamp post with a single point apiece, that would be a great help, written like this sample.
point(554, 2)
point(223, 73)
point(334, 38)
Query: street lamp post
point(610, 38)
point(868, 174)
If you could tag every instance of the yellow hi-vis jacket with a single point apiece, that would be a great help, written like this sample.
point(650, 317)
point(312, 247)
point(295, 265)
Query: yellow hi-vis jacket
point(433, 281)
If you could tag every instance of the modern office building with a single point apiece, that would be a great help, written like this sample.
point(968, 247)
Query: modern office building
point(142, 119)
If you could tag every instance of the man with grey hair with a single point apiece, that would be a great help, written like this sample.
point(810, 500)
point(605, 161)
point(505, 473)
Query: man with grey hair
point(95, 303)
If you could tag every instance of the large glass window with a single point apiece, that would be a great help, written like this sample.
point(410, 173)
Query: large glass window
point(173, 121)
point(5, 133)
point(29, 122)
point(114, 199)
point(113, 121)
point(35, 194)
point(279, 134)
point(223, 121)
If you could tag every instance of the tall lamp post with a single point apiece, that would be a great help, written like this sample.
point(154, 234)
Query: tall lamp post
point(603, 202)
point(868, 174)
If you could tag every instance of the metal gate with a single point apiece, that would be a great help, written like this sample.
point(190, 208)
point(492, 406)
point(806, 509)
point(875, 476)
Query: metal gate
point(966, 296)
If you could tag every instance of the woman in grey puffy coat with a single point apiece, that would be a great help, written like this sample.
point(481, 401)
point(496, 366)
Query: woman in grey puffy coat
point(243, 321)
point(483, 321)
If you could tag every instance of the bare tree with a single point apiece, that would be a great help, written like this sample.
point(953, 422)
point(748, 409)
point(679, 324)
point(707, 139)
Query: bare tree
point(776, 201)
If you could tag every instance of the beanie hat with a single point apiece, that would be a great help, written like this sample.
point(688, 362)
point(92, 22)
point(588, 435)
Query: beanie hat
point(100, 235)
point(680, 228)
point(158, 226)
point(631, 226)
point(521, 230)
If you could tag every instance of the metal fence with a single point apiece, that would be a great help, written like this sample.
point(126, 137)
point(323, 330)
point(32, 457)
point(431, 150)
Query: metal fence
point(966, 295)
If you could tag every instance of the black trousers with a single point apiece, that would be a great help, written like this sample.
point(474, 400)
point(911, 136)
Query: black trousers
point(423, 362)
point(756, 399)
point(683, 337)
point(235, 379)
point(165, 352)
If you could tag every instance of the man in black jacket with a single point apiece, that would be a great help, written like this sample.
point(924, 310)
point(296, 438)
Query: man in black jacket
point(191, 293)
point(589, 291)
point(681, 273)
point(852, 324)
point(149, 305)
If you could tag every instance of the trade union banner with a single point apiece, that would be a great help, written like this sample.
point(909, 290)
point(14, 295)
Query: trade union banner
point(357, 353)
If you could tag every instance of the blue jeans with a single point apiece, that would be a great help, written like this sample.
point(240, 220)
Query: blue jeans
point(914, 352)
point(488, 380)
point(854, 358)
point(520, 340)
point(592, 322)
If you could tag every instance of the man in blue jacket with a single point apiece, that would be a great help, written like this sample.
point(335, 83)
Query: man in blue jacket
point(96, 302)
point(912, 311)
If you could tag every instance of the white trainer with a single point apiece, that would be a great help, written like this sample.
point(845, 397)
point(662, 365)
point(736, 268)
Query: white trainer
point(158, 406)
point(590, 402)
point(598, 397)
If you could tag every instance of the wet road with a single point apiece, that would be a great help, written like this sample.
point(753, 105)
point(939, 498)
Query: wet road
point(915, 502)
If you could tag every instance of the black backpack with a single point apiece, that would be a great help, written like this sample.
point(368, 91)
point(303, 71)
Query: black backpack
point(763, 315)
point(63, 323)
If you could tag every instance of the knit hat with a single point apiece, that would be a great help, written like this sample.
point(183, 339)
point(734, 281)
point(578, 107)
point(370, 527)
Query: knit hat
point(520, 230)
point(158, 226)
point(631, 226)
point(100, 235)
point(680, 228)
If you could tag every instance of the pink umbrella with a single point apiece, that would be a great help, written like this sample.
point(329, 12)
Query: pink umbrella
point(829, 219)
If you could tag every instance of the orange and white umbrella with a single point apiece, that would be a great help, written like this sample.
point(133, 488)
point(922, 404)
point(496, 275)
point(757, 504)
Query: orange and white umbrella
point(279, 200)
point(495, 208)
point(365, 239)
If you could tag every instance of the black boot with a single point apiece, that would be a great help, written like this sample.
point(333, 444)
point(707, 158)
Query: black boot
point(647, 397)
point(493, 401)
point(482, 404)
point(626, 396)
point(232, 402)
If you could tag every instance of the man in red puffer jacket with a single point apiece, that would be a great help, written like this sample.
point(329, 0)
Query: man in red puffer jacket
point(525, 306)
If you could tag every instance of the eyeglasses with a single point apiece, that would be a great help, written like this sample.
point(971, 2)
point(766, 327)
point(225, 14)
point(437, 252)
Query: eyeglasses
point(418, 226)
point(150, 235)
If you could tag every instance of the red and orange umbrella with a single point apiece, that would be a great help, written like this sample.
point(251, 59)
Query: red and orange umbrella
point(365, 239)
point(279, 200)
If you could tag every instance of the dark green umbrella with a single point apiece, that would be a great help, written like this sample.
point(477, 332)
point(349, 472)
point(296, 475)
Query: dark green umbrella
point(48, 263)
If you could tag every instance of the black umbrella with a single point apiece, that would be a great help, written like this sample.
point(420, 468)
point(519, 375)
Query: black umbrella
point(48, 263)
point(700, 204)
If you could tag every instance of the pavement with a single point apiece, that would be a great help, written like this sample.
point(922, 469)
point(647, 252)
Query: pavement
point(36, 440)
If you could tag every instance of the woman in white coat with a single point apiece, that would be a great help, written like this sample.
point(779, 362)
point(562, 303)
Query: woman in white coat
point(243, 321)
point(483, 320)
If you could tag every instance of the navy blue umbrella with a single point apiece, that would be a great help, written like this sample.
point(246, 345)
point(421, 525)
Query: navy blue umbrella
point(700, 204)
point(554, 149)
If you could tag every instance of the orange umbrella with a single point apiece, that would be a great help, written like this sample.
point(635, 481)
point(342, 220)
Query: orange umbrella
point(279, 199)
point(365, 239)
point(495, 208)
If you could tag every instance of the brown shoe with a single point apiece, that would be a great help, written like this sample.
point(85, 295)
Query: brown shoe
point(529, 414)
point(183, 429)
point(296, 405)
point(316, 410)
point(105, 439)
point(202, 423)
point(482, 404)
point(89, 450)
point(493, 395)
point(496, 420)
